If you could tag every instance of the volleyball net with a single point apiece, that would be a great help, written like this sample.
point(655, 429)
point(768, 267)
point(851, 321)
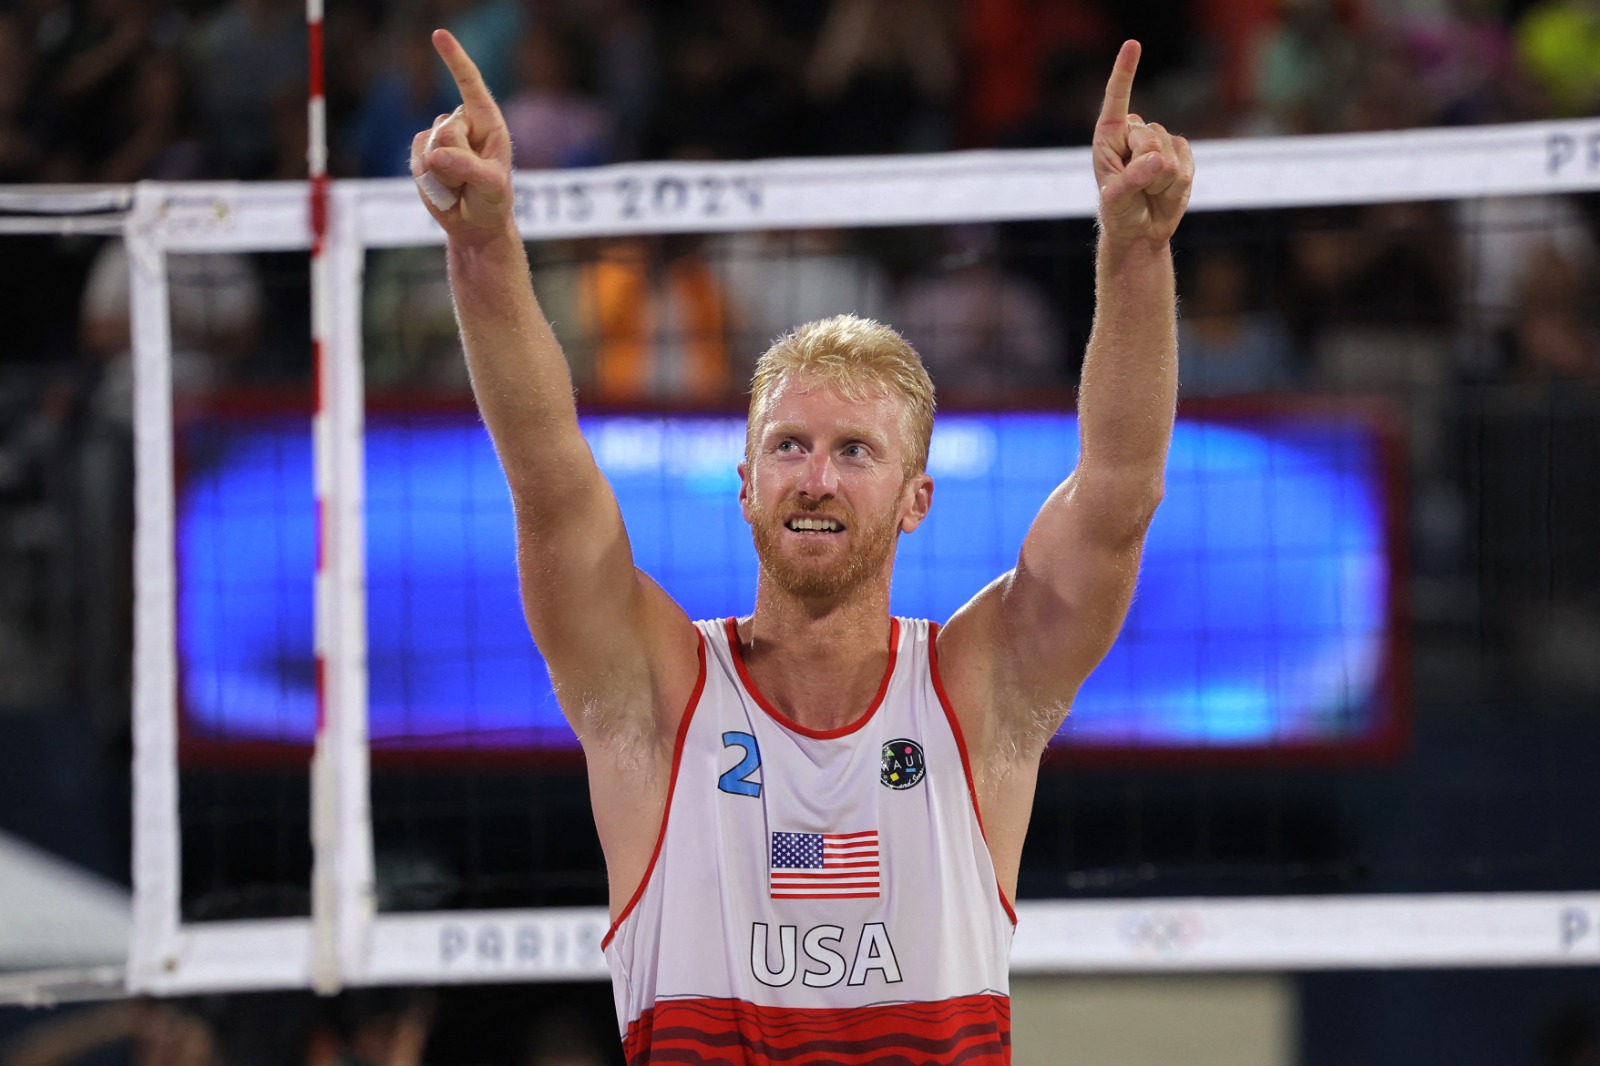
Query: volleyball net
point(1345, 725)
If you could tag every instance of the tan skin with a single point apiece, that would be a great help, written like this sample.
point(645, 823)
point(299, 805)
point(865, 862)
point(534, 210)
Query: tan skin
point(623, 656)
point(820, 659)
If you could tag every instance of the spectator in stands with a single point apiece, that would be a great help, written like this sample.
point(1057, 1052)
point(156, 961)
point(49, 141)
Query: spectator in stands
point(100, 94)
point(626, 67)
point(1536, 443)
point(378, 1027)
point(776, 279)
point(1010, 48)
point(552, 122)
point(402, 98)
point(883, 74)
point(215, 305)
point(1556, 336)
point(1226, 347)
point(1559, 43)
point(689, 120)
point(156, 1034)
point(1462, 56)
point(1052, 253)
point(1370, 299)
point(729, 94)
point(980, 329)
point(489, 30)
point(1383, 94)
point(1232, 31)
point(656, 321)
point(249, 57)
point(156, 139)
point(354, 57)
point(1371, 293)
point(767, 68)
point(410, 339)
point(89, 80)
point(1304, 67)
point(1506, 241)
point(215, 315)
point(1068, 104)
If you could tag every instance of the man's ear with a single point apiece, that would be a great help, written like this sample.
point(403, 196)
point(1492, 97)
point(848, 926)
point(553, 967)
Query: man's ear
point(744, 490)
point(919, 497)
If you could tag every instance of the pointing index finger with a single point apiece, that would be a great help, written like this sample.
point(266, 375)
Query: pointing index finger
point(474, 93)
point(1119, 89)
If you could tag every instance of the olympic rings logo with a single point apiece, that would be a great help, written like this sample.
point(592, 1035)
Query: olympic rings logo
point(1162, 933)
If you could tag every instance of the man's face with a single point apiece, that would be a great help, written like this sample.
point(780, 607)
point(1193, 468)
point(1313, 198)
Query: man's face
point(826, 491)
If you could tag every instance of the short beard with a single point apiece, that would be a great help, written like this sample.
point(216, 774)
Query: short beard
point(874, 544)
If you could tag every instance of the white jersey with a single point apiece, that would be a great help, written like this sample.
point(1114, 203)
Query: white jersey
point(816, 896)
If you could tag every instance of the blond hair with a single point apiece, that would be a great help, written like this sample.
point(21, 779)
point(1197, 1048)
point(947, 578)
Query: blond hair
point(860, 359)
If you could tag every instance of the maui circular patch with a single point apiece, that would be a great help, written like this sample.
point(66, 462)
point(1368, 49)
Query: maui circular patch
point(903, 765)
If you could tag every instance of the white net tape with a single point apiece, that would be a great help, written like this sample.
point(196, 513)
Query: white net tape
point(171, 956)
point(1441, 164)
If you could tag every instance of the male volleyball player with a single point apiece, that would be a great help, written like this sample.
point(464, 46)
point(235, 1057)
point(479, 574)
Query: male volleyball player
point(813, 816)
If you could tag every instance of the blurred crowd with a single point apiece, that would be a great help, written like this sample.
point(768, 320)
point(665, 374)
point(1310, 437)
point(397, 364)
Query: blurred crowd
point(118, 90)
point(527, 1026)
point(1466, 313)
point(121, 90)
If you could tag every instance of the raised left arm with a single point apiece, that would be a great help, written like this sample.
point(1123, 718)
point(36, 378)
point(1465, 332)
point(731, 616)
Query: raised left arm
point(1022, 647)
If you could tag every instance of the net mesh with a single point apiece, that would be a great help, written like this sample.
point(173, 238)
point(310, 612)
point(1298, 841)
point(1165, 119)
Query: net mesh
point(1450, 761)
point(245, 544)
point(1362, 660)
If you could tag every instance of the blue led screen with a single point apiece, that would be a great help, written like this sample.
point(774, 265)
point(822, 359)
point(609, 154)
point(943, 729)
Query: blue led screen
point(1262, 617)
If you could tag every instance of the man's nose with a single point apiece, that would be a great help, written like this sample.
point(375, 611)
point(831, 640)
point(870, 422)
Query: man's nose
point(821, 476)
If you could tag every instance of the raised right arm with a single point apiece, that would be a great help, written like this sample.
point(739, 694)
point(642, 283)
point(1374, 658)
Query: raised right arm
point(621, 653)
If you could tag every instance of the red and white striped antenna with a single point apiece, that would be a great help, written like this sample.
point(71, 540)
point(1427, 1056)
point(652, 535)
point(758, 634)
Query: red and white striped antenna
point(326, 977)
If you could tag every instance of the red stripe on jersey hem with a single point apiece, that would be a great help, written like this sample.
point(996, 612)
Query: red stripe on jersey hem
point(672, 785)
point(972, 1030)
point(732, 627)
point(961, 746)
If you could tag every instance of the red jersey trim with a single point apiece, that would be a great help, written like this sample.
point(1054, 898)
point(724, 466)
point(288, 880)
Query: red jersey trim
point(970, 1030)
point(672, 785)
point(961, 746)
point(731, 625)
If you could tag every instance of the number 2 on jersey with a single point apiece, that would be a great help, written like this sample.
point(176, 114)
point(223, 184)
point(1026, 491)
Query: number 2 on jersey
point(737, 780)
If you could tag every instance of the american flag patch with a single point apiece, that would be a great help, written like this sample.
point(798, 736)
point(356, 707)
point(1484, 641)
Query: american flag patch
point(825, 865)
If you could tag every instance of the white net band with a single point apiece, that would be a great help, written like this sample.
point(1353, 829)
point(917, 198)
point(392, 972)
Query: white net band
point(1120, 936)
point(1512, 160)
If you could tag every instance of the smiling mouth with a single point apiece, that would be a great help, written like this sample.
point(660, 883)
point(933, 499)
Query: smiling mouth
point(814, 526)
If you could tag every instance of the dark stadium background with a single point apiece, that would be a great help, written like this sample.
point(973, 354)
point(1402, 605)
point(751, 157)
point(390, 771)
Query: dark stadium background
point(1503, 511)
